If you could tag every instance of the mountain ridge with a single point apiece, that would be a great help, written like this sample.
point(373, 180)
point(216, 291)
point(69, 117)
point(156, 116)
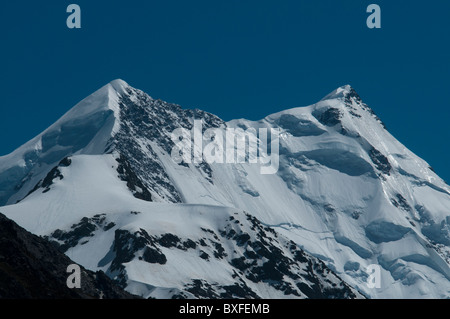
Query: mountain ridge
point(346, 192)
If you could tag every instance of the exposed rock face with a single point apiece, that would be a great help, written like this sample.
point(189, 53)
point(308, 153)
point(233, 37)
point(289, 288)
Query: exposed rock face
point(31, 267)
point(257, 258)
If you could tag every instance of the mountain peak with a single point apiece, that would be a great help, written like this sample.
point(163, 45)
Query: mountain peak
point(345, 89)
point(341, 92)
point(119, 85)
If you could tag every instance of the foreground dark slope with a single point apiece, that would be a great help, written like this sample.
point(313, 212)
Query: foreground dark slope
point(31, 267)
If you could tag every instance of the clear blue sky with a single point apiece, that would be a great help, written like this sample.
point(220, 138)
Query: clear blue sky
point(233, 58)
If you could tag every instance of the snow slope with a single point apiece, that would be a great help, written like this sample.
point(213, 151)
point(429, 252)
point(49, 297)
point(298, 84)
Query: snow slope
point(346, 192)
point(169, 250)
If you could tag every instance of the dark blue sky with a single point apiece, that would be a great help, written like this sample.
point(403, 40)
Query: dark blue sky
point(233, 58)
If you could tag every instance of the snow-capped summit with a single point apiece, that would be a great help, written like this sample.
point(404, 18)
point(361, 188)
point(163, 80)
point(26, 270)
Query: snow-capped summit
point(102, 183)
point(340, 92)
point(84, 128)
point(119, 85)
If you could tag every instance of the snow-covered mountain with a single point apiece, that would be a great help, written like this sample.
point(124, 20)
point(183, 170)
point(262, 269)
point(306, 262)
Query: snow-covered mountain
point(102, 183)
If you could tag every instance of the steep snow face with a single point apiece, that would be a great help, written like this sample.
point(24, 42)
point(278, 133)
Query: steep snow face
point(168, 250)
point(86, 128)
point(346, 191)
point(352, 194)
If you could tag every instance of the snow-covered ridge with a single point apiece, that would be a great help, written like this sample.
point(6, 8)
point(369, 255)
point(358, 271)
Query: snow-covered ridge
point(347, 192)
point(86, 127)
